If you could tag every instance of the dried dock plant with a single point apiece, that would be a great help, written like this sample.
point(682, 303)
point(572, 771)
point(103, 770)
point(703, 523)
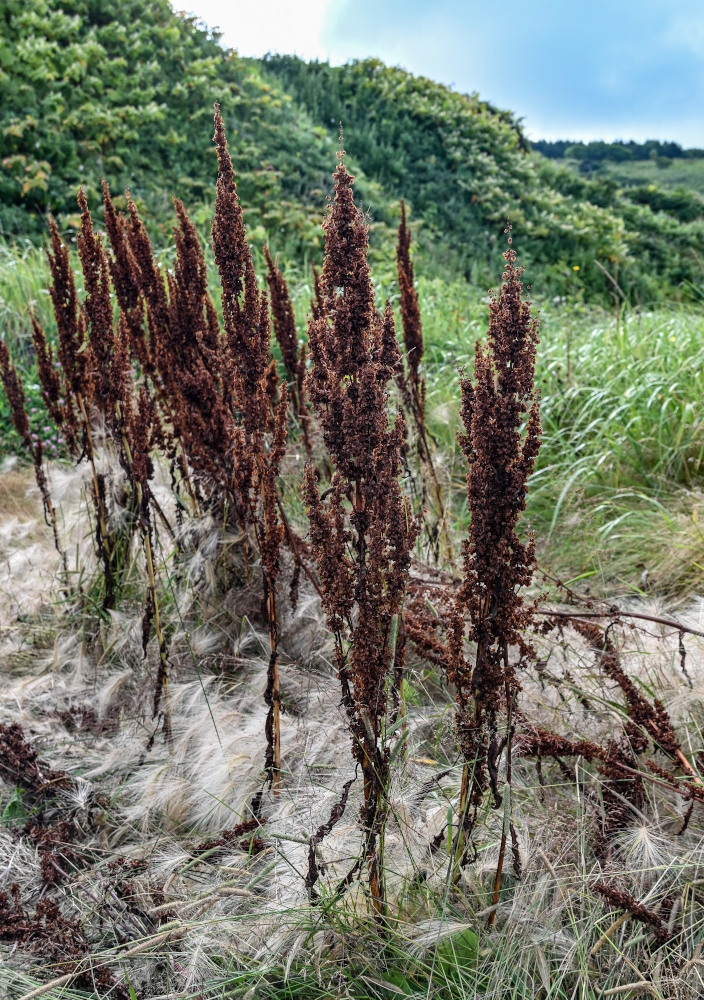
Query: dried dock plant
point(256, 455)
point(412, 383)
point(500, 412)
point(362, 528)
point(293, 354)
point(32, 442)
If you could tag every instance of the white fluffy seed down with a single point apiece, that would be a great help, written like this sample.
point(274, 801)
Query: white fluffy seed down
point(85, 703)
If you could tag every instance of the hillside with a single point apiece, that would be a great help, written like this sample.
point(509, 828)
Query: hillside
point(125, 90)
point(91, 88)
point(464, 166)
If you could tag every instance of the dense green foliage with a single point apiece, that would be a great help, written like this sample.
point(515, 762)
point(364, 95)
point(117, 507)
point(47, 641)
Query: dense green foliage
point(463, 166)
point(460, 163)
point(684, 174)
point(125, 90)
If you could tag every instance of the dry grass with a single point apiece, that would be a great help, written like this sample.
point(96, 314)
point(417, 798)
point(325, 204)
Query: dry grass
point(17, 493)
point(151, 818)
point(26, 553)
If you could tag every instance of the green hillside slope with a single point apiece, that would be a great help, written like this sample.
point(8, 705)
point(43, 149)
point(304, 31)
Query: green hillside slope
point(124, 89)
point(464, 165)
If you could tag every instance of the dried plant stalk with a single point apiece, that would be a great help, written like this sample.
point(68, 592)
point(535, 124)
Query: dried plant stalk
point(497, 564)
point(256, 455)
point(79, 385)
point(18, 410)
point(362, 527)
point(412, 385)
point(410, 316)
point(292, 354)
point(270, 534)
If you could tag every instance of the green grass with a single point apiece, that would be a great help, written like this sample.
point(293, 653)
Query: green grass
point(624, 444)
point(665, 173)
point(621, 469)
point(24, 277)
point(679, 173)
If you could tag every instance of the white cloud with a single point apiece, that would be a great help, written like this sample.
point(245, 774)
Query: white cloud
point(686, 31)
point(254, 28)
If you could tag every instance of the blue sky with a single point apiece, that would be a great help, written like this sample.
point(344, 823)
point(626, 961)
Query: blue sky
point(631, 69)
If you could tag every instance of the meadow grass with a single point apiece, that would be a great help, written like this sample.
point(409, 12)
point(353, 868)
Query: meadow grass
point(617, 492)
point(680, 173)
point(24, 278)
point(665, 173)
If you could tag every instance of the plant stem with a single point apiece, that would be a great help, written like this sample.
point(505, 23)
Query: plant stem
point(162, 682)
point(510, 698)
point(102, 532)
point(375, 823)
point(464, 804)
point(275, 692)
point(618, 613)
point(502, 853)
point(50, 513)
point(163, 676)
point(293, 546)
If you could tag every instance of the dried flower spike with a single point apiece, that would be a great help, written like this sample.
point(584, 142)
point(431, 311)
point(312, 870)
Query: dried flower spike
point(363, 531)
point(497, 564)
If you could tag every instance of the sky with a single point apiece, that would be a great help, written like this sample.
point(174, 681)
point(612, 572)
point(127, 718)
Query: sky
point(572, 69)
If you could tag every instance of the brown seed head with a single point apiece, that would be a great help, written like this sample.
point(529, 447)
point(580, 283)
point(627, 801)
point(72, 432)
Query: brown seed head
point(410, 310)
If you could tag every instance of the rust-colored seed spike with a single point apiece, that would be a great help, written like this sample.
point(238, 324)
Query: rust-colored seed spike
point(316, 303)
point(284, 320)
point(65, 303)
point(122, 267)
point(98, 307)
point(497, 564)
point(229, 238)
point(410, 310)
point(126, 280)
point(347, 241)
point(363, 556)
point(625, 901)
point(17, 400)
point(49, 378)
point(245, 310)
point(15, 397)
point(147, 274)
point(652, 719)
point(294, 359)
point(190, 358)
point(248, 342)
